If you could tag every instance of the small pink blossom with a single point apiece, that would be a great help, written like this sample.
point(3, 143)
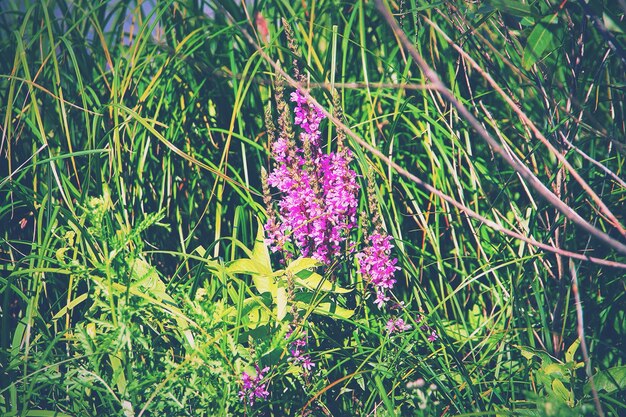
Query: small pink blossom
point(433, 336)
point(397, 325)
point(297, 349)
point(253, 387)
point(377, 266)
point(306, 363)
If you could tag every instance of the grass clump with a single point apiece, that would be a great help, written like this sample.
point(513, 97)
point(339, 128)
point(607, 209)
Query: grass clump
point(427, 221)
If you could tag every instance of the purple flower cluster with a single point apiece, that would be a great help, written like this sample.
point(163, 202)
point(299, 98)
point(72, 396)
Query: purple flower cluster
point(253, 387)
point(318, 201)
point(397, 325)
point(297, 351)
point(377, 267)
point(308, 117)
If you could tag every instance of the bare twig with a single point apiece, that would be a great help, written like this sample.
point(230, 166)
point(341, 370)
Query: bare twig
point(535, 130)
point(593, 161)
point(581, 337)
point(522, 169)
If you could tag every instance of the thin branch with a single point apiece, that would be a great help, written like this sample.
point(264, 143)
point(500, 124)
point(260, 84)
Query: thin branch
point(529, 123)
point(522, 169)
point(581, 337)
point(593, 161)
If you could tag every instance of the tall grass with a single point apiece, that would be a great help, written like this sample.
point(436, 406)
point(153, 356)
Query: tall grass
point(132, 146)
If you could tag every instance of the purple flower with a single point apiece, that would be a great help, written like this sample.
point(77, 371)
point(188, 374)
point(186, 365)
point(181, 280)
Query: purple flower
point(381, 299)
point(307, 363)
point(253, 387)
point(318, 190)
point(296, 350)
point(433, 336)
point(377, 266)
point(397, 325)
point(308, 117)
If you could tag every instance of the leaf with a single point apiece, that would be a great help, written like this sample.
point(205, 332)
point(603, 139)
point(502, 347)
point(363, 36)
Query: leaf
point(301, 264)
point(258, 316)
point(148, 280)
point(611, 12)
point(563, 393)
point(530, 353)
point(554, 369)
point(201, 251)
point(327, 309)
point(70, 306)
point(247, 266)
point(259, 266)
point(611, 24)
point(264, 283)
point(281, 303)
point(571, 351)
point(314, 281)
point(261, 276)
point(538, 41)
point(260, 255)
point(611, 380)
point(512, 7)
point(118, 378)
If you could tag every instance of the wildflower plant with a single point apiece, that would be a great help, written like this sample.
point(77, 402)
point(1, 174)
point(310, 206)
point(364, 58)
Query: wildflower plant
point(311, 195)
point(133, 283)
point(254, 386)
point(317, 208)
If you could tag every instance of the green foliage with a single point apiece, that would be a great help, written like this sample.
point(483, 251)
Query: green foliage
point(133, 277)
point(312, 289)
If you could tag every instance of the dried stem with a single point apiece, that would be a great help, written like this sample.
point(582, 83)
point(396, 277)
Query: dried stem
point(535, 183)
point(522, 169)
point(581, 337)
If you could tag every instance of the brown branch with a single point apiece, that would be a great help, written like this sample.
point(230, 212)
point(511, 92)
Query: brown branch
point(529, 123)
point(522, 169)
point(581, 337)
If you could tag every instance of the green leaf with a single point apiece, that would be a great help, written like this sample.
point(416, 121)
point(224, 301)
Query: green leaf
point(554, 368)
point(611, 380)
point(530, 353)
point(563, 393)
point(281, 303)
point(260, 255)
point(512, 7)
point(538, 42)
point(247, 266)
point(571, 351)
point(316, 282)
point(148, 280)
point(612, 23)
point(327, 309)
point(119, 378)
point(301, 264)
point(259, 266)
point(257, 316)
point(265, 283)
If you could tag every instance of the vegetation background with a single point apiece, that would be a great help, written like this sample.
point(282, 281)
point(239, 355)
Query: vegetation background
point(133, 138)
